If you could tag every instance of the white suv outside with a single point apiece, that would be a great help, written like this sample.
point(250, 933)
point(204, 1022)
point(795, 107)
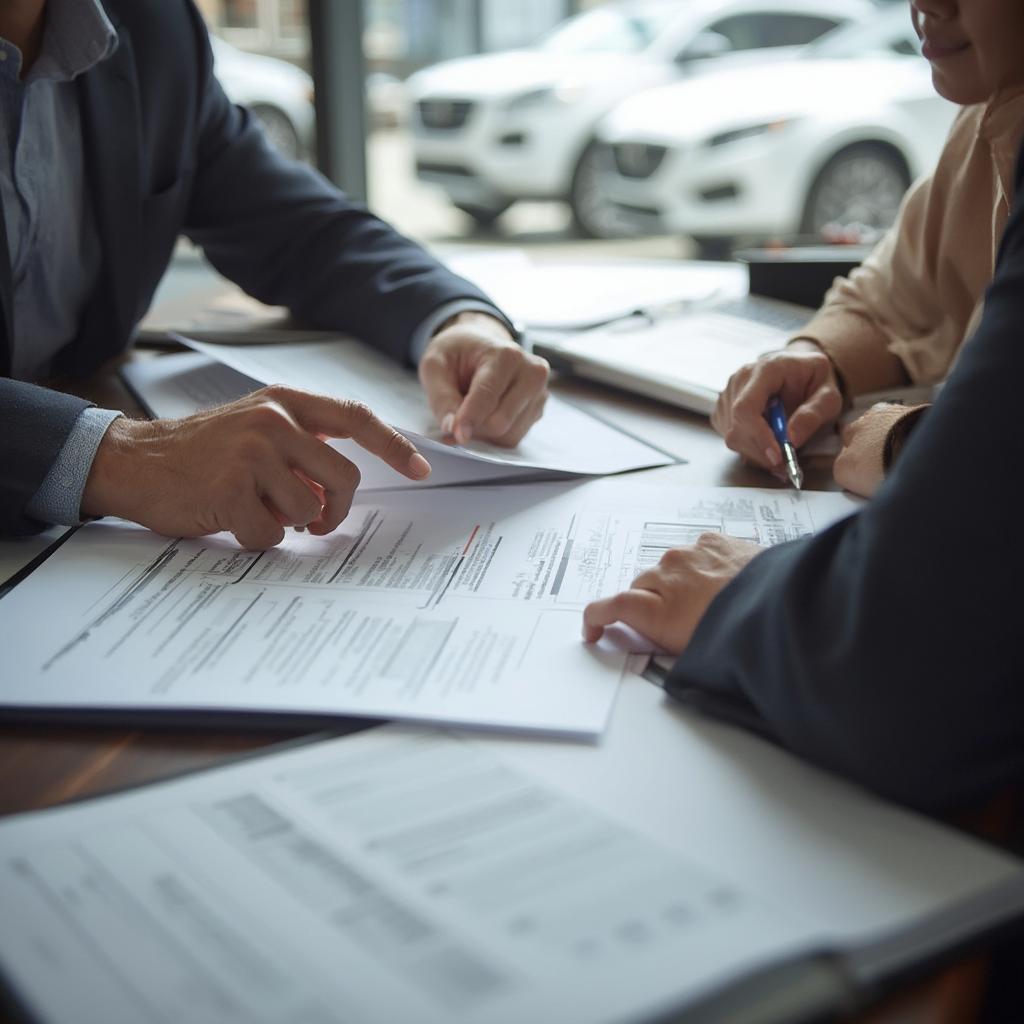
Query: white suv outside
point(824, 143)
point(496, 128)
point(279, 95)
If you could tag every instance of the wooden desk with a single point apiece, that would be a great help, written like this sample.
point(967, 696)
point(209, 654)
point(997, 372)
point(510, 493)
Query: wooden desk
point(43, 766)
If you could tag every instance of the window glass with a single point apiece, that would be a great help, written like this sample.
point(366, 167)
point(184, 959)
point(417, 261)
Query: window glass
point(473, 159)
point(261, 58)
point(755, 31)
point(609, 31)
point(891, 33)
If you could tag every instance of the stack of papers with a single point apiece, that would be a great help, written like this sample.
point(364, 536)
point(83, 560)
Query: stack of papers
point(407, 875)
point(566, 442)
point(456, 606)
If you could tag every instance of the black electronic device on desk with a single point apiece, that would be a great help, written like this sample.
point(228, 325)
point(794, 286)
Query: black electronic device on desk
point(799, 273)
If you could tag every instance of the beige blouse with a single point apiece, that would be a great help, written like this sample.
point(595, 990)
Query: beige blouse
point(903, 314)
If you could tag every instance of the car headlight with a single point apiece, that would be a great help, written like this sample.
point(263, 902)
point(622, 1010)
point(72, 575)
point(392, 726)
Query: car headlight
point(724, 138)
point(546, 96)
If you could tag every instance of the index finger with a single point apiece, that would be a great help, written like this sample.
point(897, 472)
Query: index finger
point(340, 417)
point(749, 433)
point(636, 608)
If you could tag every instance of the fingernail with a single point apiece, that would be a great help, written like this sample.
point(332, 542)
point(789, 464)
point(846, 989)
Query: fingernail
point(418, 466)
point(448, 423)
point(464, 433)
point(773, 455)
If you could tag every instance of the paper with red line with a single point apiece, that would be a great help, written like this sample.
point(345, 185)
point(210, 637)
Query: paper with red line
point(457, 605)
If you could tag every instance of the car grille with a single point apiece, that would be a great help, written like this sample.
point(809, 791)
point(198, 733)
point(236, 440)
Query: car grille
point(637, 159)
point(444, 115)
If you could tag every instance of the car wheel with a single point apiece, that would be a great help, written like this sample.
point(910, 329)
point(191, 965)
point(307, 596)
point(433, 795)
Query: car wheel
point(593, 214)
point(483, 216)
point(859, 190)
point(278, 129)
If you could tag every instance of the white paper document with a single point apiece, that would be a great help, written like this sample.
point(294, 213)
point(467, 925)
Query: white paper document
point(566, 440)
point(685, 359)
point(412, 876)
point(567, 295)
point(386, 877)
point(183, 383)
point(460, 605)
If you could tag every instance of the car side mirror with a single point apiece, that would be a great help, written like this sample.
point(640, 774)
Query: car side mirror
point(704, 45)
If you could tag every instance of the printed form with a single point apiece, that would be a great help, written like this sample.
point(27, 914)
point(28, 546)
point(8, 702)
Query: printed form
point(457, 605)
point(390, 876)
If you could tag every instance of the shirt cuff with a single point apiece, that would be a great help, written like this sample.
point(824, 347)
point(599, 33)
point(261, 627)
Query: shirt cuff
point(428, 328)
point(59, 497)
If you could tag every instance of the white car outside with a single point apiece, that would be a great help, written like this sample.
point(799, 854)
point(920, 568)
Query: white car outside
point(828, 140)
point(279, 95)
point(496, 128)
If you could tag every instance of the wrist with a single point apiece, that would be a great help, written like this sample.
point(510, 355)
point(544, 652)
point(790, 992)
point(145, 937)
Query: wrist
point(113, 475)
point(810, 345)
point(486, 323)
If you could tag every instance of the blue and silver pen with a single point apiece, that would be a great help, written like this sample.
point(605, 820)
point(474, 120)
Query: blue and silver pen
point(775, 414)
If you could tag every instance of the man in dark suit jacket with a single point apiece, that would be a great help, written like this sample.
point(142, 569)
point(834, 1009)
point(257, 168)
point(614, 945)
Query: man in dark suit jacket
point(117, 138)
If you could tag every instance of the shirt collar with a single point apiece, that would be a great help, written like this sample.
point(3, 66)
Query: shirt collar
point(78, 35)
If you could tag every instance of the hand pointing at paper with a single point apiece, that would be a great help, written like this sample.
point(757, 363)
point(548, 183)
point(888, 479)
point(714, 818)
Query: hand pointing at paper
point(480, 383)
point(251, 467)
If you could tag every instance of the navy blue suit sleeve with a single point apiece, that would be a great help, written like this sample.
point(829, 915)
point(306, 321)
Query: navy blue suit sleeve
point(290, 238)
point(889, 647)
point(35, 423)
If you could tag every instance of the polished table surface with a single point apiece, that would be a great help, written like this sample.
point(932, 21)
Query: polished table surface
point(44, 765)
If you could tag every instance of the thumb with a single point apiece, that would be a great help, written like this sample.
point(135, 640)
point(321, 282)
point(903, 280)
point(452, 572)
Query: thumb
point(441, 386)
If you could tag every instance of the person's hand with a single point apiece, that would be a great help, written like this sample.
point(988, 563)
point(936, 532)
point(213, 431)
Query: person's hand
point(859, 466)
point(480, 383)
point(803, 377)
point(667, 602)
point(251, 467)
